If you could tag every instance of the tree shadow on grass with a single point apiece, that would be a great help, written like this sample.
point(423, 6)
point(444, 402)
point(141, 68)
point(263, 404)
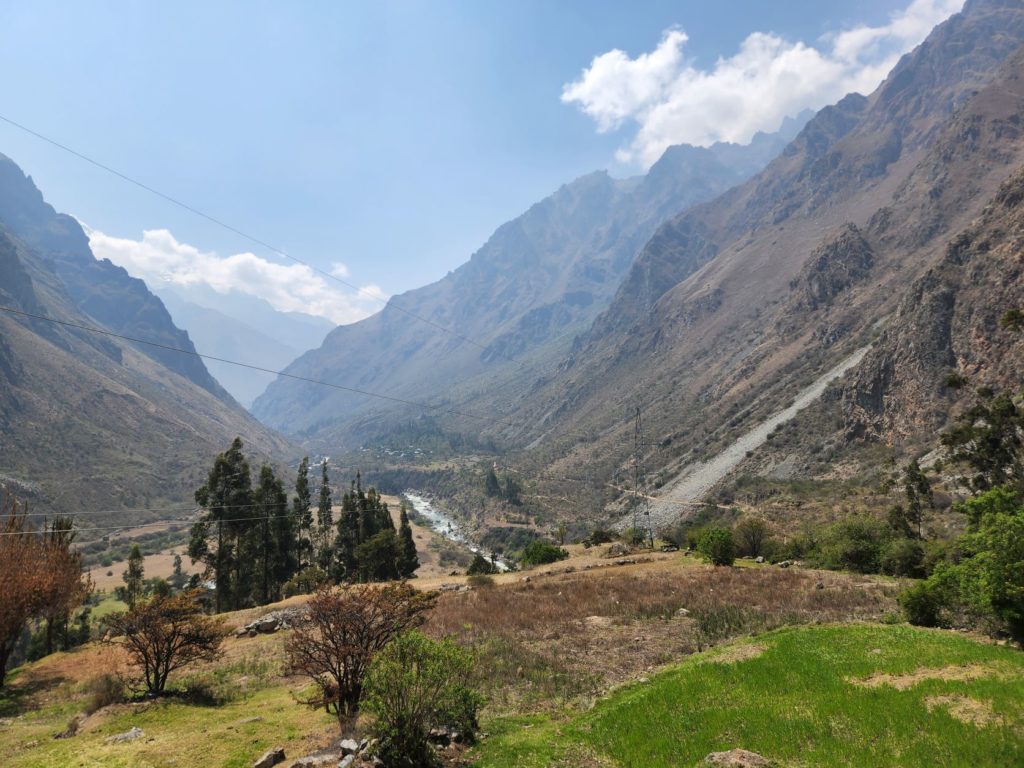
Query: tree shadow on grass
point(17, 696)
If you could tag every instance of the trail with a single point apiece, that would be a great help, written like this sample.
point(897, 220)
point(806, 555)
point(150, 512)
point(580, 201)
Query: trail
point(694, 481)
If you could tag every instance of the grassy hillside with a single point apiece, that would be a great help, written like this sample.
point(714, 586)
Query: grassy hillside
point(587, 662)
point(866, 695)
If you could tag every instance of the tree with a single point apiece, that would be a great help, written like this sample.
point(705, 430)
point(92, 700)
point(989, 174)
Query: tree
point(512, 491)
point(751, 537)
point(65, 586)
point(40, 576)
point(226, 498)
point(988, 580)
point(990, 440)
point(324, 519)
point(481, 566)
point(539, 552)
point(277, 538)
point(416, 684)
point(408, 560)
point(134, 577)
point(178, 577)
point(491, 485)
point(164, 634)
point(919, 495)
point(716, 544)
point(1012, 320)
point(378, 557)
point(302, 511)
point(345, 628)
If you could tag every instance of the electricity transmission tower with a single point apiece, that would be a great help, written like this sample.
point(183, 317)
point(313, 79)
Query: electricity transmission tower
point(640, 498)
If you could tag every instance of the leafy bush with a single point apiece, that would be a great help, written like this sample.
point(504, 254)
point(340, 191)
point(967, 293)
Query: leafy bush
point(988, 581)
point(481, 566)
point(903, 557)
point(853, 545)
point(923, 604)
point(480, 581)
point(305, 582)
point(542, 552)
point(600, 536)
point(716, 544)
point(413, 685)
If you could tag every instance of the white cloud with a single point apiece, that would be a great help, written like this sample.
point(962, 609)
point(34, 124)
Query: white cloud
point(159, 258)
point(339, 270)
point(671, 101)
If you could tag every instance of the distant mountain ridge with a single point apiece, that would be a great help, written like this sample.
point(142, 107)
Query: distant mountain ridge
point(735, 305)
point(538, 281)
point(98, 288)
point(248, 331)
point(90, 422)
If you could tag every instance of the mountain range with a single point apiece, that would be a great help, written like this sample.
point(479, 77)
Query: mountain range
point(512, 309)
point(710, 309)
point(92, 422)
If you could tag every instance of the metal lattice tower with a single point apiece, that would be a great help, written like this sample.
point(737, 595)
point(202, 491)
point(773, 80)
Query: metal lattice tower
point(640, 497)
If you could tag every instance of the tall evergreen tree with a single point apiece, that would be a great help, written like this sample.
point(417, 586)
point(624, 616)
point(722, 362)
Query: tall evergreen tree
point(277, 537)
point(919, 496)
point(491, 485)
point(324, 519)
point(408, 560)
point(302, 511)
point(134, 577)
point(348, 537)
point(226, 498)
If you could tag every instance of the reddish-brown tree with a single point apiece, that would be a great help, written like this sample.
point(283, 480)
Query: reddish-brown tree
point(165, 634)
point(345, 628)
point(40, 576)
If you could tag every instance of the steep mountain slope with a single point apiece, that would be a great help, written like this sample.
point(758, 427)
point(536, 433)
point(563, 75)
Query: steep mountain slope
point(537, 281)
point(221, 335)
point(97, 288)
point(88, 421)
point(734, 306)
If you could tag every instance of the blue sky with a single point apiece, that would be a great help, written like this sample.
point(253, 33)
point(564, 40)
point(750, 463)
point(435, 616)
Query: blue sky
point(391, 137)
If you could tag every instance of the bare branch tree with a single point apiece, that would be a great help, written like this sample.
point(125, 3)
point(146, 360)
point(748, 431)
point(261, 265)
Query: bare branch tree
point(345, 628)
point(165, 634)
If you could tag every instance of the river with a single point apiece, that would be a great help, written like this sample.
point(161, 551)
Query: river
point(444, 525)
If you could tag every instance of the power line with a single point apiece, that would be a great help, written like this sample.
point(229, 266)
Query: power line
point(252, 238)
point(135, 525)
point(354, 390)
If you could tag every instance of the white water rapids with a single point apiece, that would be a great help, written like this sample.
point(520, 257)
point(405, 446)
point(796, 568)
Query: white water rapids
point(443, 525)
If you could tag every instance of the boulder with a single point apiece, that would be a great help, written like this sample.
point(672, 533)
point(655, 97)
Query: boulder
point(323, 760)
point(617, 549)
point(270, 758)
point(131, 734)
point(346, 761)
point(266, 625)
point(737, 758)
point(682, 612)
point(348, 746)
point(759, 559)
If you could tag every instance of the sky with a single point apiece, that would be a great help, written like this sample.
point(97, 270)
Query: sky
point(383, 142)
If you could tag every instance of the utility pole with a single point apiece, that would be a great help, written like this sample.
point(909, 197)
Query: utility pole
point(638, 497)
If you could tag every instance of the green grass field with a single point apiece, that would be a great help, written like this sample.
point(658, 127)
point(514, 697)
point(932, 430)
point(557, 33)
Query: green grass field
point(798, 696)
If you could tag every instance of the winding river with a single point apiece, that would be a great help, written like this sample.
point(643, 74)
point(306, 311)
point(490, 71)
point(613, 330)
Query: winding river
point(444, 525)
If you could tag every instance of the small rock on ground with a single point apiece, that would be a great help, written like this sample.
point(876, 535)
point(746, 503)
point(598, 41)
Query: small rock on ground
point(270, 758)
point(130, 735)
